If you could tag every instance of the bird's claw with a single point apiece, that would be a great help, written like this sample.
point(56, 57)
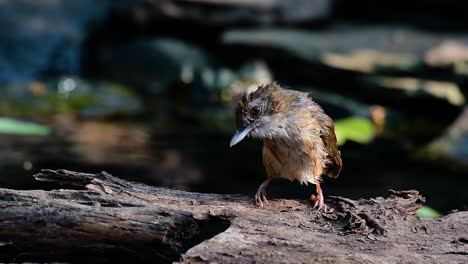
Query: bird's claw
point(319, 205)
point(260, 196)
point(261, 199)
point(258, 201)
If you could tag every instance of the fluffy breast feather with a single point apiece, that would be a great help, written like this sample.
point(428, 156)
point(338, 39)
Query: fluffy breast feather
point(294, 161)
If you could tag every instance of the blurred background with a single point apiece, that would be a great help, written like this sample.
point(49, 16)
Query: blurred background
point(143, 89)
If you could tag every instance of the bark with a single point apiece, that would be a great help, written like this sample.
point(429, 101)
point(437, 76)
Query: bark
point(103, 218)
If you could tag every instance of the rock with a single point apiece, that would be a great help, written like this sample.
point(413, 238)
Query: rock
point(157, 63)
point(452, 146)
point(361, 49)
point(451, 56)
point(413, 98)
point(461, 69)
point(369, 61)
point(314, 45)
point(413, 87)
point(44, 36)
point(448, 52)
point(68, 95)
point(221, 13)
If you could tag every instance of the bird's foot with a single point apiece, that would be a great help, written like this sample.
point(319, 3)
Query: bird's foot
point(260, 198)
point(318, 202)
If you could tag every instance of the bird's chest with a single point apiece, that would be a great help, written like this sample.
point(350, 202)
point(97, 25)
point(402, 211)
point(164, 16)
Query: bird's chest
point(292, 160)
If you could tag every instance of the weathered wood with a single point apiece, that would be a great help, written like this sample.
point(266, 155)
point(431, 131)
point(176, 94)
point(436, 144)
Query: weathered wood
point(111, 219)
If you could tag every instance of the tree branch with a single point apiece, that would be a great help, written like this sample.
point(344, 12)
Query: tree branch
point(112, 219)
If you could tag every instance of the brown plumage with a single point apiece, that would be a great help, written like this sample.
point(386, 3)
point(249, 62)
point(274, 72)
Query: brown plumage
point(299, 141)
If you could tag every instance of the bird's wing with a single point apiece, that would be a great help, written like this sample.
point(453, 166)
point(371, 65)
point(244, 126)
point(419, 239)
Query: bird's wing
point(334, 156)
point(270, 161)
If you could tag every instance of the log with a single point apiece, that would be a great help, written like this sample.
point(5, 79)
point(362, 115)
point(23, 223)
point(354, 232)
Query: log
point(100, 218)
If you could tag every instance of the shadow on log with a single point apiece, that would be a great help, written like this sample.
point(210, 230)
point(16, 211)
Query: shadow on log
point(109, 219)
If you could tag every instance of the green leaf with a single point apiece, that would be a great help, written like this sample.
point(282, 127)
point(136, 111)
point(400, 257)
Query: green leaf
point(427, 212)
point(356, 129)
point(16, 127)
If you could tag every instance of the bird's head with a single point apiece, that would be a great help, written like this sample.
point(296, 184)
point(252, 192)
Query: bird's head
point(257, 112)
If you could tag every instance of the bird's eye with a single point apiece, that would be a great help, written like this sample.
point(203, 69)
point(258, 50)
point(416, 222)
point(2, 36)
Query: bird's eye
point(254, 111)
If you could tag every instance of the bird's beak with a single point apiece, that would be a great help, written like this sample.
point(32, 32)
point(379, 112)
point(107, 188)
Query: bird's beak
point(240, 135)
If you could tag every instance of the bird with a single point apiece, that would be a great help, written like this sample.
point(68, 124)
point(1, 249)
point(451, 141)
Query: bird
point(299, 141)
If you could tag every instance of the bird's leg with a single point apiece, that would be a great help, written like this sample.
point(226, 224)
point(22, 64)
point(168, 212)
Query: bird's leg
point(260, 197)
point(318, 200)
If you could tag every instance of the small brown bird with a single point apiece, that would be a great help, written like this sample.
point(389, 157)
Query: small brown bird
point(299, 141)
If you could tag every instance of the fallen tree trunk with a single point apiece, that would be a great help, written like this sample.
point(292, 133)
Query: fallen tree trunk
point(108, 219)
